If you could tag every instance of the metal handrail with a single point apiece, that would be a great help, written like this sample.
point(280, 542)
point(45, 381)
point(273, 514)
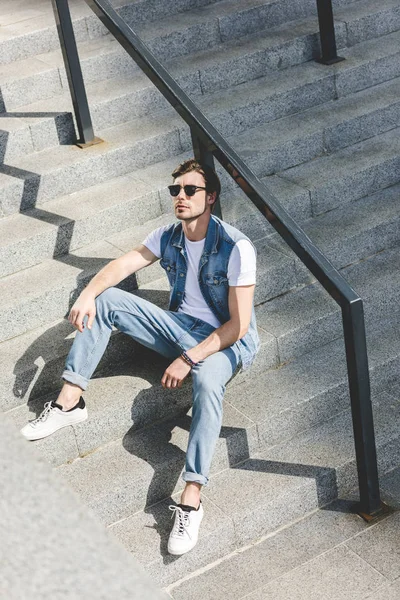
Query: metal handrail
point(327, 33)
point(208, 143)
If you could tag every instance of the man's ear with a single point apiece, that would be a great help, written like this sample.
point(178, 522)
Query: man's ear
point(211, 198)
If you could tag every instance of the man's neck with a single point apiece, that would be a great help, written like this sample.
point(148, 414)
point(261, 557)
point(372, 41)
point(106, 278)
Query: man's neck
point(196, 229)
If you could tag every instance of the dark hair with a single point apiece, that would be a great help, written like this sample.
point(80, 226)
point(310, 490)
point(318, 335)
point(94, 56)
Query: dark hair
point(211, 179)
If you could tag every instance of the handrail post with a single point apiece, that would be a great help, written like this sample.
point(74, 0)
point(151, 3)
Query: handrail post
point(361, 407)
point(327, 33)
point(74, 73)
point(204, 155)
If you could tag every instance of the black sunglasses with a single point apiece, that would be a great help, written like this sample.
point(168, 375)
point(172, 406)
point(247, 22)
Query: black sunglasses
point(189, 190)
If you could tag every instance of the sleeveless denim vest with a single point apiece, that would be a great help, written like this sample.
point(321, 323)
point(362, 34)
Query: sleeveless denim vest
point(212, 276)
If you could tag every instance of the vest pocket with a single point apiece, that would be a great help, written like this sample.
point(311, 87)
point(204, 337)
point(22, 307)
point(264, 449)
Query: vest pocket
point(170, 269)
point(217, 290)
point(216, 279)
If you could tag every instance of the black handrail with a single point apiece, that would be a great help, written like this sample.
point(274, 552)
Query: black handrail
point(74, 73)
point(327, 33)
point(208, 143)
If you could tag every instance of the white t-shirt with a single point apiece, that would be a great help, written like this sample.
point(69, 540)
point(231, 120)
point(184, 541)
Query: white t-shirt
point(241, 271)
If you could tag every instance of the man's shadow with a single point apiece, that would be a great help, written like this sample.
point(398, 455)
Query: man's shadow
point(161, 447)
point(38, 370)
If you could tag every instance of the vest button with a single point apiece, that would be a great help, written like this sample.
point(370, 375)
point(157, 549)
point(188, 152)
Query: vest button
point(181, 275)
point(168, 268)
point(215, 281)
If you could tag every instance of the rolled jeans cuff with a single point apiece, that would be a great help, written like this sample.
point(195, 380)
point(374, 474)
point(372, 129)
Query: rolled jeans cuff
point(76, 379)
point(195, 477)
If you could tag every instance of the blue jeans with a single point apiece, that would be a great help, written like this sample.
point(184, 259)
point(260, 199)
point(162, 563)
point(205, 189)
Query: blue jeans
point(168, 333)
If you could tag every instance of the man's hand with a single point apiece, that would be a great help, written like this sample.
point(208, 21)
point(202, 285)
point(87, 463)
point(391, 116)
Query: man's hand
point(85, 305)
point(175, 374)
point(107, 277)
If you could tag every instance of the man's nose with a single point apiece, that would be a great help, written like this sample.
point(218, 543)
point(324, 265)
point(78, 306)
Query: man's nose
point(182, 195)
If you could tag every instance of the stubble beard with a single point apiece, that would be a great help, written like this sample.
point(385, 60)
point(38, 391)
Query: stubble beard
point(193, 217)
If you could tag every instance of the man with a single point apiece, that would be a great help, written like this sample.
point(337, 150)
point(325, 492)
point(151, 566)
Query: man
point(209, 330)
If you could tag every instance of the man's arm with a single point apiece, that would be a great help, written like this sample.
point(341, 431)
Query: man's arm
point(240, 308)
point(110, 275)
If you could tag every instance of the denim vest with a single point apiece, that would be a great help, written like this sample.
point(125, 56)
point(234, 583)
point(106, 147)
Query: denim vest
point(213, 275)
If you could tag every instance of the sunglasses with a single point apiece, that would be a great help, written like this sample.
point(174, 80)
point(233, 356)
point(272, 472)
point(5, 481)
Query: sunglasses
point(189, 190)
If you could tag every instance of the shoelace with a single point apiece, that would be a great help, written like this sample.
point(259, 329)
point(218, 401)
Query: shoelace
point(181, 523)
point(44, 414)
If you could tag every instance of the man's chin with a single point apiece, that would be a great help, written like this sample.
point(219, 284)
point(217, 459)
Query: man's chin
point(181, 216)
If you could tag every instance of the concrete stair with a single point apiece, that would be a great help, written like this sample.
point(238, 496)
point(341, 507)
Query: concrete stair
point(116, 97)
point(327, 552)
point(323, 139)
point(123, 480)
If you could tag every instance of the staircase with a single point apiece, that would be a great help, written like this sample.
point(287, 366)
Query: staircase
point(325, 140)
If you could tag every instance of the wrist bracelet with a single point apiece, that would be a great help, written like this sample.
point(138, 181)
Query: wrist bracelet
point(187, 359)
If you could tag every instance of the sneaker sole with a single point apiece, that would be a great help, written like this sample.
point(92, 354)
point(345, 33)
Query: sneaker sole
point(41, 437)
point(181, 553)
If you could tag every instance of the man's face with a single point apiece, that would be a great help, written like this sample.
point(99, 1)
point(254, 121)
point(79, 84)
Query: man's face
point(188, 208)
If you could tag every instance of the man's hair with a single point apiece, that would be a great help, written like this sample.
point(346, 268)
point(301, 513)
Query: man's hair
point(211, 179)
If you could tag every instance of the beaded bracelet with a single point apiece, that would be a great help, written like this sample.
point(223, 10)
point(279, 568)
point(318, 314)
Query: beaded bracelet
point(188, 360)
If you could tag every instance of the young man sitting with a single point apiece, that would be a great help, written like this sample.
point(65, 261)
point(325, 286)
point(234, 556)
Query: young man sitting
point(208, 332)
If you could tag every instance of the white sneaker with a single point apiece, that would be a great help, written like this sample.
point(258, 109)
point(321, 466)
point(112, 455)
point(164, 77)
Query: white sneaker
point(185, 532)
point(53, 418)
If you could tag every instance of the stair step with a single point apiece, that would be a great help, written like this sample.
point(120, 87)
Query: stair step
point(46, 291)
point(99, 475)
point(346, 234)
point(345, 222)
point(112, 101)
point(281, 144)
point(230, 63)
point(66, 169)
point(330, 446)
point(120, 96)
point(172, 36)
point(364, 226)
point(315, 388)
point(349, 174)
point(33, 362)
point(11, 190)
point(298, 330)
point(33, 30)
point(311, 546)
point(365, 20)
point(292, 44)
point(79, 219)
point(149, 531)
point(118, 100)
point(28, 32)
point(352, 76)
point(286, 482)
point(285, 486)
point(29, 483)
point(291, 140)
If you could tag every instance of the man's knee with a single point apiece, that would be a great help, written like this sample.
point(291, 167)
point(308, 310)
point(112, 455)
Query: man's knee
point(206, 384)
point(106, 303)
point(109, 299)
point(107, 296)
point(214, 373)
